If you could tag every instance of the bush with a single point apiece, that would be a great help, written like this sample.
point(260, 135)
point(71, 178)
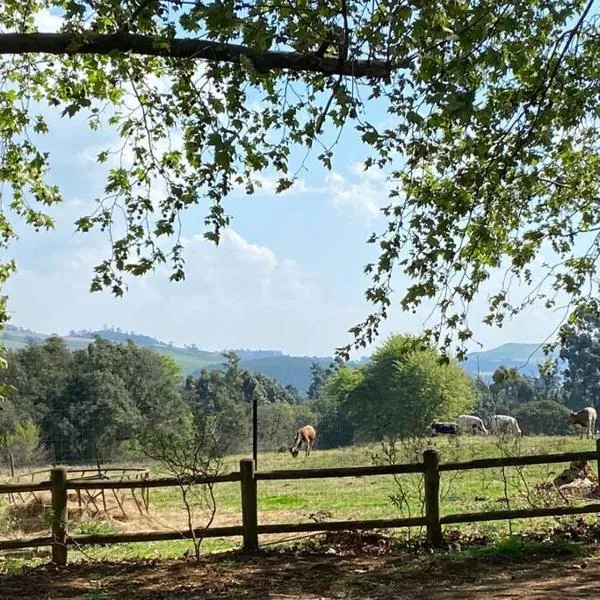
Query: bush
point(544, 417)
point(24, 444)
point(96, 528)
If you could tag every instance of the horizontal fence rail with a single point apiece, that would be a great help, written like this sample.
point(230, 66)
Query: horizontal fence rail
point(16, 488)
point(154, 536)
point(339, 472)
point(519, 513)
point(249, 530)
point(341, 525)
point(518, 461)
point(128, 484)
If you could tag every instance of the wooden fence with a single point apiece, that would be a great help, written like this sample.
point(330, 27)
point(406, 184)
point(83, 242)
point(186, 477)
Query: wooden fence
point(88, 473)
point(249, 529)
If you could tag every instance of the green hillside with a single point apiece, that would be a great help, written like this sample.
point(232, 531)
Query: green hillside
point(189, 360)
point(16, 339)
point(289, 370)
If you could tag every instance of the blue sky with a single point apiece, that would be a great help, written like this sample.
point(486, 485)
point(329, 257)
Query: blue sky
point(288, 274)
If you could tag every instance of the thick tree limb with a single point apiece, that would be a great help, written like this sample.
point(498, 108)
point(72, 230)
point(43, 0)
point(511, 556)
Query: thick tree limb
point(92, 43)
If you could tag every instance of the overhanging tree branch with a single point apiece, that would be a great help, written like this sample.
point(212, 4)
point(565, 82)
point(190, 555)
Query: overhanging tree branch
point(186, 48)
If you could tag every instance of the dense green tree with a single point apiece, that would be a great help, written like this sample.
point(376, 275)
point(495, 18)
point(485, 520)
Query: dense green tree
point(125, 388)
point(102, 416)
point(22, 441)
point(279, 421)
point(96, 400)
point(486, 404)
point(293, 392)
point(43, 389)
point(549, 384)
point(228, 395)
point(238, 387)
point(335, 426)
point(318, 377)
point(580, 349)
point(406, 387)
point(510, 389)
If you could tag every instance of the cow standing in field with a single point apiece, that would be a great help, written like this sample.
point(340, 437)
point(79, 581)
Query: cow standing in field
point(306, 435)
point(504, 425)
point(438, 427)
point(586, 418)
point(471, 424)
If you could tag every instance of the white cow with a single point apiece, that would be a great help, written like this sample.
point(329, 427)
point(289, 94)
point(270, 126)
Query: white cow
point(471, 424)
point(586, 418)
point(503, 424)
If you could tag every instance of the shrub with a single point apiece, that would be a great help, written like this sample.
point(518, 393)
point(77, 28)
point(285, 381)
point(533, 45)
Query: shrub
point(24, 444)
point(544, 417)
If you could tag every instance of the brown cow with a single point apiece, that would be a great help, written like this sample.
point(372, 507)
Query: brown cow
point(586, 418)
point(306, 435)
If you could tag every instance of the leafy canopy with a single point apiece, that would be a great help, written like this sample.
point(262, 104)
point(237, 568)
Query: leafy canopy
point(397, 394)
point(580, 349)
point(87, 403)
point(491, 140)
point(544, 417)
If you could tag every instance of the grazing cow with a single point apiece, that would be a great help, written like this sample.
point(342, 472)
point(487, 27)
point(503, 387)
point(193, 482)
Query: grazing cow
point(471, 424)
point(503, 424)
point(306, 435)
point(586, 418)
point(446, 428)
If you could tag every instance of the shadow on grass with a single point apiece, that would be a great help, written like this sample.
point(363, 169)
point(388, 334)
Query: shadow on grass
point(512, 568)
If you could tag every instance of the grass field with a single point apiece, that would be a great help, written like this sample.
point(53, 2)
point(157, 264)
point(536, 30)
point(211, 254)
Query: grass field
point(336, 499)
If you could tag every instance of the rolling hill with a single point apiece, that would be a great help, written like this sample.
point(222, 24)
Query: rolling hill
point(524, 357)
point(290, 370)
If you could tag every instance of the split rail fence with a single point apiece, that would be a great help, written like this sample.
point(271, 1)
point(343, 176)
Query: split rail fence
point(248, 478)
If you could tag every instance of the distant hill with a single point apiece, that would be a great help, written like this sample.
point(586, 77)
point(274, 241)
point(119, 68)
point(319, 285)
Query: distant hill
point(525, 357)
point(259, 354)
point(289, 370)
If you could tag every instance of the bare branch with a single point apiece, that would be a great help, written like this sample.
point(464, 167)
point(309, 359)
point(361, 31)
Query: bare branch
point(187, 48)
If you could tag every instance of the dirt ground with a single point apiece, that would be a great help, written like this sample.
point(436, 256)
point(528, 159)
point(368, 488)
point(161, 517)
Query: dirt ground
point(292, 575)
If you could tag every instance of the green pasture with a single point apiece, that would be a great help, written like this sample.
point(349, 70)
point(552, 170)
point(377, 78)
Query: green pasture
point(293, 501)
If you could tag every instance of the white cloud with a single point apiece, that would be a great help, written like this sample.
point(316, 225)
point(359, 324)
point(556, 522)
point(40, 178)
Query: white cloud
point(363, 198)
point(47, 22)
point(239, 294)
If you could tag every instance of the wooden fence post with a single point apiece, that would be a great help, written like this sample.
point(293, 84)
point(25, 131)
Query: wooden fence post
point(249, 505)
point(11, 462)
point(432, 496)
point(58, 478)
point(598, 457)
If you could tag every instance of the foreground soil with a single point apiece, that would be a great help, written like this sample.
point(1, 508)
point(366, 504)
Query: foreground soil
point(293, 575)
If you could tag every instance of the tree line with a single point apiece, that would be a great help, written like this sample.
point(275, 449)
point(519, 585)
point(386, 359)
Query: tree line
point(108, 400)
